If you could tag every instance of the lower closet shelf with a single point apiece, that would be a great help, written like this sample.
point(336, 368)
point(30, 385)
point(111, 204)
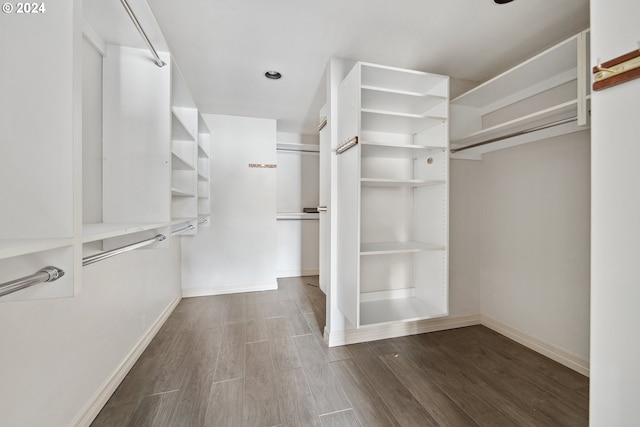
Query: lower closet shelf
point(397, 310)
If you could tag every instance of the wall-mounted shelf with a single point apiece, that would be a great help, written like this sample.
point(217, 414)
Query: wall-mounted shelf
point(547, 88)
point(384, 248)
point(16, 247)
point(409, 183)
point(404, 151)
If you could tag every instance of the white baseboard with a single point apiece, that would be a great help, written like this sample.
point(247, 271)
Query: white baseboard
point(93, 407)
point(230, 289)
point(399, 329)
point(561, 356)
point(297, 273)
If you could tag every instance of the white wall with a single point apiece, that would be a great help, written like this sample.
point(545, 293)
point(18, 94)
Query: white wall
point(615, 321)
point(535, 240)
point(237, 253)
point(57, 354)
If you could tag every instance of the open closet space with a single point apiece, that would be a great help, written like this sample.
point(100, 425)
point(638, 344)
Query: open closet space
point(410, 213)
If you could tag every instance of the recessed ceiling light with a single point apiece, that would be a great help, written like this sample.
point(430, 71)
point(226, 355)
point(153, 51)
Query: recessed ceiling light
point(273, 75)
point(502, 1)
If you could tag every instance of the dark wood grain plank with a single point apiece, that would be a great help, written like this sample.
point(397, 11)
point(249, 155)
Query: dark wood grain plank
point(230, 363)
point(260, 393)
point(404, 407)
point(296, 403)
point(154, 411)
point(225, 404)
point(325, 387)
point(283, 350)
point(367, 403)
point(346, 418)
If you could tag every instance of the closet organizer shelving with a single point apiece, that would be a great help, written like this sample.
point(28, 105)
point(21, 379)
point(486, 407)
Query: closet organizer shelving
point(107, 152)
point(392, 196)
point(545, 96)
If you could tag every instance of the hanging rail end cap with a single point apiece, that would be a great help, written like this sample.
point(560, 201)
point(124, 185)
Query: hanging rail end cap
point(53, 272)
point(161, 63)
point(161, 237)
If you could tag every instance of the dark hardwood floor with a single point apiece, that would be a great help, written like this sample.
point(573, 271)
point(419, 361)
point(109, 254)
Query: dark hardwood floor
point(258, 359)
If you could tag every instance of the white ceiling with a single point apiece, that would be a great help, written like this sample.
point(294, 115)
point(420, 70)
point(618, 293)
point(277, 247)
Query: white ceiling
point(223, 47)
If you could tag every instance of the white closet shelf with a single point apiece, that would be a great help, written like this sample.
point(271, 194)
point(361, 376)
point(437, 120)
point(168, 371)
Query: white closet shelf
point(202, 177)
point(555, 61)
point(180, 163)
point(16, 247)
point(182, 129)
point(393, 122)
point(380, 149)
point(202, 154)
point(397, 309)
point(561, 111)
point(181, 193)
point(403, 92)
point(290, 146)
point(101, 231)
point(384, 248)
point(283, 216)
point(411, 183)
point(181, 220)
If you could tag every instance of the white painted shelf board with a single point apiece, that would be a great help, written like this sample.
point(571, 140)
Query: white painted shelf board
point(375, 182)
point(16, 247)
point(401, 79)
point(181, 220)
point(180, 163)
point(181, 131)
point(402, 92)
point(379, 149)
point(385, 248)
point(397, 310)
point(392, 122)
point(202, 154)
point(290, 146)
point(284, 216)
point(179, 193)
point(101, 231)
point(553, 61)
point(399, 102)
point(521, 123)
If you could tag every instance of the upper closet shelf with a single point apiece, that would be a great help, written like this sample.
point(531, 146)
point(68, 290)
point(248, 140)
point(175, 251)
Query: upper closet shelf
point(16, 247)
point(185, 123)
point(411, 183)
point(406, 151)
point(393, 122)
point(384, 248)
point(303, 148)
point(101, 231)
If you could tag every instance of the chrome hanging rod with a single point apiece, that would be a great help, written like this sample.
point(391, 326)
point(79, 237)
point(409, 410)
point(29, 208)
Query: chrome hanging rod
point(182, 230)
point(117, 251)
point(47, 274)
point(322, 124)
point(204, 221)
point(159, 62)
point(511, 135)
point(347, 145)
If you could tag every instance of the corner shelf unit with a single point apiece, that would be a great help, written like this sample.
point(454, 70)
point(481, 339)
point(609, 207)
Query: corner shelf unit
point(545, 96)
point(392, 196)
point(204, 174)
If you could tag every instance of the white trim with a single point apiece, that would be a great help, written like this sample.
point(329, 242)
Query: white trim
point(94, 39)
point(398, 329)
point(552, 352)
point(298, 273)
point(229, 289)
point(93, 407)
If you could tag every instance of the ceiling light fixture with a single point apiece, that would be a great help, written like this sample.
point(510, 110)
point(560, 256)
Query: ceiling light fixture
point(273, 75)
point(502, 1)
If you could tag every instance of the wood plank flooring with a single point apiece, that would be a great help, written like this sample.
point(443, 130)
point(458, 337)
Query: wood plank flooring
point(258, 359)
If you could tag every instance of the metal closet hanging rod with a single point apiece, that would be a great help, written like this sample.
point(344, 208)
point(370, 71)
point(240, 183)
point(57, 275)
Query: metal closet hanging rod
point(117, 251)
point(182, 230)
point(511, 135)
point(47, 274)
point(159, 62)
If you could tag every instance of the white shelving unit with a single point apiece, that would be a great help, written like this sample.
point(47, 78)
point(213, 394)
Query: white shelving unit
point(204, 174)
point(519, 105)
point(392, 196)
